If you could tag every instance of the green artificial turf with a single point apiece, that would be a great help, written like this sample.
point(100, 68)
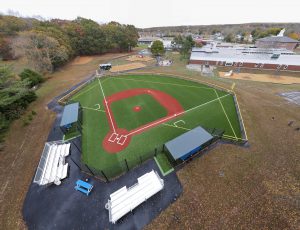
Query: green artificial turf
point(150, 110)
point(163, 163)
point(200, 102)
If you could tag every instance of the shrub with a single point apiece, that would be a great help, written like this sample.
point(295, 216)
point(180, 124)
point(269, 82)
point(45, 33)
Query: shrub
point(25, 122)
point(30, 117)
point(33, 77)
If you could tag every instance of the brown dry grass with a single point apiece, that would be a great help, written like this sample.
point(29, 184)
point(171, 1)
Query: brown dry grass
point(126, 67)
point(24, 145)
point(260, 188)
point(263, 78)
point(139, 58)
point(81, 60)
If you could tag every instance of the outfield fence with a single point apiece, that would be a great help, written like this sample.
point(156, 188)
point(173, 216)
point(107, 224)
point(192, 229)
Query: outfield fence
point(128, 163)
point(124, 165)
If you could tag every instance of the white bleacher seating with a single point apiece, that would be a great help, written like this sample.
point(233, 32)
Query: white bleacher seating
point(52, 167)
point(125, 200)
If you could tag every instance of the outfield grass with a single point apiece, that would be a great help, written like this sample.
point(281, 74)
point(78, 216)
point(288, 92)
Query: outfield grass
point(205, 106)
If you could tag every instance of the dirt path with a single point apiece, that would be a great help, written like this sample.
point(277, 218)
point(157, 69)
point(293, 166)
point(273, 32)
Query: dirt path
point(81, 60)
point(21, 155)
point(127, 67)
point(263, 78)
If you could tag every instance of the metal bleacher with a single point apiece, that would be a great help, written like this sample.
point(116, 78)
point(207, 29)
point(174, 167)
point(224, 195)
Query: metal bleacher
point(126, 199)
point(52, 167)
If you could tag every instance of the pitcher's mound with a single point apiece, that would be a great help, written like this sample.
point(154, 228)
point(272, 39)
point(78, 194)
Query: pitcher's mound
point(137, 108)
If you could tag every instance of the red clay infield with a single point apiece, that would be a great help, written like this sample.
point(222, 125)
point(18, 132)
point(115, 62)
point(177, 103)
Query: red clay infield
point(118, 139)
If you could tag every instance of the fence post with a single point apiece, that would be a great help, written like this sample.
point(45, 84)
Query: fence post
point(127, 165)
point(141, 159)
point(89, 170)
point(104, 176)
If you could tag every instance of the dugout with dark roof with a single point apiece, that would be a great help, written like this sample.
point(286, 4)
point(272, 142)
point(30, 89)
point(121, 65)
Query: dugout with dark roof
point(71, 117)
point(189, 143)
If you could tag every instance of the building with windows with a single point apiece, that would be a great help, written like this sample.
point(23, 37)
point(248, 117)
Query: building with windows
point(277, 42)
point(246, 57)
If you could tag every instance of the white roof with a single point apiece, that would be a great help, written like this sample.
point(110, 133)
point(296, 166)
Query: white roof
point(246, 55)
point(126, 199)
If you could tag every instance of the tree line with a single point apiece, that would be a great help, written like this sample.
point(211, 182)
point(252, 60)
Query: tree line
point(48, 45)
point(16, 94)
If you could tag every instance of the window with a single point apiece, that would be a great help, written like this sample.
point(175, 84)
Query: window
point(285, 67)
point(275, 56)
point(256, 65)
point(241, 64)
point(228, 63)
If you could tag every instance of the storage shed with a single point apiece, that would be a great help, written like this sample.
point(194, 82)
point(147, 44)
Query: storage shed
point(189, 143)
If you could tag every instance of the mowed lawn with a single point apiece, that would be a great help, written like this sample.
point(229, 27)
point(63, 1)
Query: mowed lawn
point(205, 106)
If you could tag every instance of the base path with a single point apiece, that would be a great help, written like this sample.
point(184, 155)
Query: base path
point(117, 140)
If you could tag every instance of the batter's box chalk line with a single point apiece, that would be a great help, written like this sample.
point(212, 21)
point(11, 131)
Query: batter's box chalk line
point(122, 140)
point(119, 138)
point(113, 137)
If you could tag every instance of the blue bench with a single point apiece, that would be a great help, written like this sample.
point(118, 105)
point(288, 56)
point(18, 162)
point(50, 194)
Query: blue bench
point(83, 187)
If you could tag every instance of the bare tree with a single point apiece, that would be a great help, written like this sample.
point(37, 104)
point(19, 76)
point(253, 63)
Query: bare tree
point(42, 51)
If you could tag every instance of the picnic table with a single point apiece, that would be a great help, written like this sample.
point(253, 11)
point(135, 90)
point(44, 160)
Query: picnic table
point(83, 187)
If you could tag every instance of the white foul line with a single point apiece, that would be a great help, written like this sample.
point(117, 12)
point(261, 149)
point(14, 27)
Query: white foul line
point(226, 114)
point(205, 103)
point(112, 124)
point(98, 110)
point(175, 115)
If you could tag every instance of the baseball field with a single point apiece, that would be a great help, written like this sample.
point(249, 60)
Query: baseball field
point(126, 117)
